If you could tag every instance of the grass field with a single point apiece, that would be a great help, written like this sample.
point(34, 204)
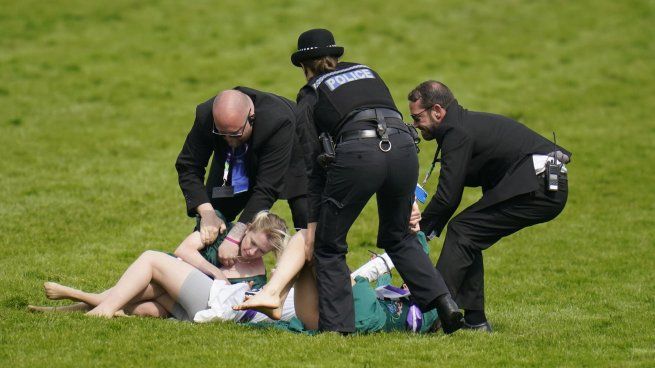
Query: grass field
point(97, 97)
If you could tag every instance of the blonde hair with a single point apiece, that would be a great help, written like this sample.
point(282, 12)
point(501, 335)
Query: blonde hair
point(274, 227)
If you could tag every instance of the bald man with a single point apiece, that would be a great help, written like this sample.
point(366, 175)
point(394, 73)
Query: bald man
point(256, 160)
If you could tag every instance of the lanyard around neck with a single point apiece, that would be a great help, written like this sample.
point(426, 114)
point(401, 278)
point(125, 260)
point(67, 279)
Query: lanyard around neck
point(434, 162)
point(230, 159)
point(227, 167)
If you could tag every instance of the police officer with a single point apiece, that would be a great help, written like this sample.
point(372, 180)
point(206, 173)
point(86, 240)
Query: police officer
point(510, 162)
point(375, 153)
point(251, 135)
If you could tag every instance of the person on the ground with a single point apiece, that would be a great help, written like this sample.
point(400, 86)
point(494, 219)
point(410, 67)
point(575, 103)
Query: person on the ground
point(159, 284)
point(385, 309)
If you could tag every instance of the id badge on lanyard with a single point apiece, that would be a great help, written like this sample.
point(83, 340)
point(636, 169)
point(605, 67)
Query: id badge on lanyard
point(235, 164)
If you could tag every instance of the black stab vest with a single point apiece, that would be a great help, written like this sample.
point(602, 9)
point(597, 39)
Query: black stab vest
point(349, 88)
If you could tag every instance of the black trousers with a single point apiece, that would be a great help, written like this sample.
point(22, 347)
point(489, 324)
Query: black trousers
point(360, 170)
point(476, 229)
point(299, 211)
point(231, 207)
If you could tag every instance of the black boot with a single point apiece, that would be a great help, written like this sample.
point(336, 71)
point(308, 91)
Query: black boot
point(484, 326)
point(475, 319)
point(449, 314)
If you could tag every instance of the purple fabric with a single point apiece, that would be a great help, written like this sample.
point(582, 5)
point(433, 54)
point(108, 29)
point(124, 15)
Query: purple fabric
point(248, 316)
point(388, 292)
point(414, 318)
point(396, 289)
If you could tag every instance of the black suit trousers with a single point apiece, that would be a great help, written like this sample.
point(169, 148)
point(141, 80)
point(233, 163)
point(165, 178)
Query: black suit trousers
point(299, 211)
point(476, 229)
point(232, 206)
point(360, 170)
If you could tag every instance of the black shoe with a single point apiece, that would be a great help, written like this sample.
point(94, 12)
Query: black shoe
point(436, 326)
point(484, 326)
point(449, 314)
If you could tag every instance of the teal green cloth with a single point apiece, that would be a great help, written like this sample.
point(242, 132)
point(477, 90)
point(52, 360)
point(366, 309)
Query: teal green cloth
point(396, 310)
point(220, 216)
point(293, 325)
point(424, 242)
point(210, 252)
point(371, 313)
point(396, 314)
point(258, 281)
point(429, 318)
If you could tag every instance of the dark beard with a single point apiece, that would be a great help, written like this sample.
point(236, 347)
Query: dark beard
point(428, 134)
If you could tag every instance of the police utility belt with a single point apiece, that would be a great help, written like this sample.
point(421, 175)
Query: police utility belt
point(382, 132)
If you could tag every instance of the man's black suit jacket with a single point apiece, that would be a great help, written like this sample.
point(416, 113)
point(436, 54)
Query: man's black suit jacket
point(482, 150)
point(269, 166)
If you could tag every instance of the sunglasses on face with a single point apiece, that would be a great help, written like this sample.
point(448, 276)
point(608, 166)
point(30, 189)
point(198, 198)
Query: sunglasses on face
point(238, 133)
point(417, 117)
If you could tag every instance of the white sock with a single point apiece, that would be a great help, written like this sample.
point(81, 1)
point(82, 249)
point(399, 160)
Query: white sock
point(374, 268)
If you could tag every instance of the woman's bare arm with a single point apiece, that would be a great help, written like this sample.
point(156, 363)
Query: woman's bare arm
point(188, 251)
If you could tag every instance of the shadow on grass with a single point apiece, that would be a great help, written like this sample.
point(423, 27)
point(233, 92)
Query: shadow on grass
point(14, 302)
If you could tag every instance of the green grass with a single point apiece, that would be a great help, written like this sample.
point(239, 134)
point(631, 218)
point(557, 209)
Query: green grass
point(97, 97)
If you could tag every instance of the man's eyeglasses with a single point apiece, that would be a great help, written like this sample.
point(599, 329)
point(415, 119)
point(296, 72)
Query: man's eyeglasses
point(238, 133)
point(417, 117)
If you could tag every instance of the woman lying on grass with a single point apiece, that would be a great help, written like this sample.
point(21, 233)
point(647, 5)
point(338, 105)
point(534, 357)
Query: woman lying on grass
point(215, 299)
point(372, 312)
point(159, 285)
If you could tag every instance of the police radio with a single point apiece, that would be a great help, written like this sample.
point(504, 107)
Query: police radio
point(553, 170)
point(327, 156)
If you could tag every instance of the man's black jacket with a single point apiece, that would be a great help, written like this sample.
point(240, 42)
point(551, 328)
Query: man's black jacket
point(482, 150)
point(267, 161)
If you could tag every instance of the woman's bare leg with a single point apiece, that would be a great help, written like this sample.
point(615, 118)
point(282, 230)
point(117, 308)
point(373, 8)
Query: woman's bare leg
point(276, 313)
point(272, 295)
point(87, 301)
point(55, 291)
point(77, 307)
point(151, 266)
point(306, 297)
point(158, 308)
point(146, 309)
